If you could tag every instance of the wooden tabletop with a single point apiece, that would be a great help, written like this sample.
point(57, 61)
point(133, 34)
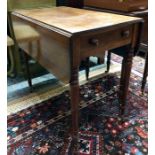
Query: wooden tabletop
point(74, 20)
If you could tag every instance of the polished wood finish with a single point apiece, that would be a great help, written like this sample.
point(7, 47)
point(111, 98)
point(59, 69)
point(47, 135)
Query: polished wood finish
point(141, 14)
point(57, 60)
point(75, 20)
point(119, 38)
point(125, 77)
point(74, 87)
point(69, 35)
point(144, 35)
point(119, 5)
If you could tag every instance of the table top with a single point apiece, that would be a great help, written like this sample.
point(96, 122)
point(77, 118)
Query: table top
point(73, 20)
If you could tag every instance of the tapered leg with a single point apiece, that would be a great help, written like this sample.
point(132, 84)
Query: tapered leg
point(75, 95)
point(87, 68)
point(28, 71)
point(145, 74)
point(108, 61)
point(125, 77)
point(75, 91)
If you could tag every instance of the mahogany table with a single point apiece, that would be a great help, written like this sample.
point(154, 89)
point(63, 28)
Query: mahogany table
point(69, 35)
point(143, 42)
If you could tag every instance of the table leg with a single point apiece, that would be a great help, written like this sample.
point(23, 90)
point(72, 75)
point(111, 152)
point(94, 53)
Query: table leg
point(75, 100)
point(108, 61)
point(28, 73)
point(145, 74)
point(87, 67)
point(125, 77)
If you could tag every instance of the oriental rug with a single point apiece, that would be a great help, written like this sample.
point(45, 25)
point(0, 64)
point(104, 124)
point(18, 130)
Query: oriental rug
point(41, 129)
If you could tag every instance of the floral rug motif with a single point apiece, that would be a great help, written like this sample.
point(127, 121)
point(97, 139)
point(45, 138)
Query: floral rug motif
point(41, 129)
point(89, 143)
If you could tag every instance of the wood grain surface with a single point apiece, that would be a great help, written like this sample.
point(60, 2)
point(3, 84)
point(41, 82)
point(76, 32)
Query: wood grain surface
point(74, 20)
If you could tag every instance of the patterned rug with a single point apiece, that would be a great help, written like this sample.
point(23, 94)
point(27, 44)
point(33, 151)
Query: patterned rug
point(41, 129)
point(89, 143)
point(138, 62)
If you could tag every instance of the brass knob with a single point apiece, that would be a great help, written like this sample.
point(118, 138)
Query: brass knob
point(125, 33)
point(94, 42)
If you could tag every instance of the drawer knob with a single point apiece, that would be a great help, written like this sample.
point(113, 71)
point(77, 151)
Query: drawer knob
point(94, 42)
point(126, 33)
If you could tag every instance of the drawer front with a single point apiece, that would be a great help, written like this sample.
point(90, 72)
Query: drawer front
point(106, 40)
